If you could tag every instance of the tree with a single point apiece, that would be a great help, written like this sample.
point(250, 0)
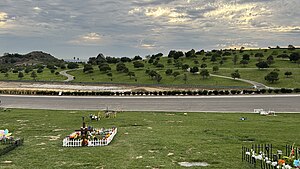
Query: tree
point(137, 58)
point(160, 65)
point(291, 47)
point(27, 70)
point(244, 62)
point(246, 57)
point(121, 67)
point(175, 74)
point(270, 60)
point(215, 68)
point(185, 78)
point(170, 61)
point(88, 68)
point(288, 74)
point(33, 75)
point(294, 57)
point(259, 56)
point(194, 69)
point(158, 77)
point(203, 66)
point(40, 70)
point(138, 64)
point(52, 70)
point(20, 75)
point(110, 75)
point(131, 74)
point(213, 58)
point(177, 64)
point(262, 65)
point(72, 65)
point(272, 77)
point(169, 72)
point(235, 59)
point(185, 67)
point(190, 54)
point(204, 73)
point(6, 75)
point(104, 67)
point(125, 59)
point(235, 74)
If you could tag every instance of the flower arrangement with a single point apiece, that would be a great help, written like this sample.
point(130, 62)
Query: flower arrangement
point(285, 162)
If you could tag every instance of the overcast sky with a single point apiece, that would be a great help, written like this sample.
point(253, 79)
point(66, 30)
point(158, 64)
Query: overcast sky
point(76, 28)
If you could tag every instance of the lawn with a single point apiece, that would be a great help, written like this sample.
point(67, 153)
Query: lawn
point(144, 139)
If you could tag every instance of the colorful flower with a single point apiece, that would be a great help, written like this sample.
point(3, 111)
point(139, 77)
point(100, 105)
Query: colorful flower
point(281, 162)
point(296, 163)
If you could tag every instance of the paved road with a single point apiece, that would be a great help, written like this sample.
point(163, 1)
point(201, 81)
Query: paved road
point(171, 104)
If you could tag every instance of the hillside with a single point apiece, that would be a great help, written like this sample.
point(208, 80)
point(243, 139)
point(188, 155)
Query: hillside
point(32, 58)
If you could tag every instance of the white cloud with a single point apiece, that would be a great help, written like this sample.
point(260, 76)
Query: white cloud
point(91, 38)
point(170, 14)
point(3, 19)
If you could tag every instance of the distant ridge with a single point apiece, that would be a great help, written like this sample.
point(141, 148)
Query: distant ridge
point(35, 57)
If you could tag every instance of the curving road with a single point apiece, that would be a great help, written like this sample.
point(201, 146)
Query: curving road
point(278, 103)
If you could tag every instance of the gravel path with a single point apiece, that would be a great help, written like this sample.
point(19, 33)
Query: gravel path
point(255, 84)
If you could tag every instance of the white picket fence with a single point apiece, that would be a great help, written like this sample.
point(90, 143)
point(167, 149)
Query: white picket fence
point(67, 142)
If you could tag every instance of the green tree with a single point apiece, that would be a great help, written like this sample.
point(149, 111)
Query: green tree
point(288, 74)
point(40, 70)
point(246, 57)
point(235, 74)
point(194, 69)
point(138, 64)
point(158, 77)
point(185, 78)
point(169, 72)
point(33, 75)
point(215, 68)
point(203, 66)
point(72, 65)
point(272, 77)
point(109, 74)
point(6, 75)
point(235, 59)
point(262, 65)
point(175, 74)
point(20, 75)
point(294, 57)
point(204, 73)
point(185, 67)
point(88, 68)
point(131, 74)
point(270, 60)
point(244, 62)
point(104, 67)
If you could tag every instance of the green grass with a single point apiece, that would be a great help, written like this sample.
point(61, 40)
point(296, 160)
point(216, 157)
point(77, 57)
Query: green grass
point(249, 71)
point(142, 78)
point(46, 75)
point(214, 138)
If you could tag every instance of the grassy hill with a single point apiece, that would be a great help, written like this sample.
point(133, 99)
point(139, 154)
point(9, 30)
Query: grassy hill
point(152, 70)
point(227, 61)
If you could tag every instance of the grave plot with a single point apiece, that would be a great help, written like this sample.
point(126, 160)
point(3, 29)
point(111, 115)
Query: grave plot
point(8, 142)
point(266, 156)
point(89, 136)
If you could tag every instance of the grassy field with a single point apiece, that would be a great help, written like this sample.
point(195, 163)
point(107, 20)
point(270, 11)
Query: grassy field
point(249, 71)
point(144, 139)
point(46, 75)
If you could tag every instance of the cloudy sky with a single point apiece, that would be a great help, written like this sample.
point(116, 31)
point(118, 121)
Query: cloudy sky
point(76, 28)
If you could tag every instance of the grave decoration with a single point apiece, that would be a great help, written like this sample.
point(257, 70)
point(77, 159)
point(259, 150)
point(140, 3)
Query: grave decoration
point(266, 156)
point(5, 135)
point(9, 142)
point(89, 136)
